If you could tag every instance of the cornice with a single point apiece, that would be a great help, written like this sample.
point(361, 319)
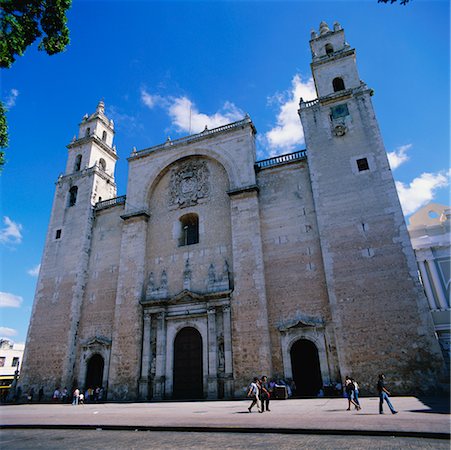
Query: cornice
point(141, 214)
point(95, 139)
point(243, 190)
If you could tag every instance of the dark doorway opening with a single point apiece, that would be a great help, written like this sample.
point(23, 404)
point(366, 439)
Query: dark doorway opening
point(306, 368)
point(94, 374)
point(188, 364)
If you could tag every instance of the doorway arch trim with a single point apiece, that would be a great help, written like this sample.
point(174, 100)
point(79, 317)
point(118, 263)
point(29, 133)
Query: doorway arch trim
point(314, 334)
point(97, 345)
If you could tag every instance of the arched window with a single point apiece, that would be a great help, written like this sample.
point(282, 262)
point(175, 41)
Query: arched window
point(77, 163)
point(189, 229)
point(102, 164)
point(338, 84)
point(88, 131)
point(329, 49)
point(104, 136)
point(73, 195)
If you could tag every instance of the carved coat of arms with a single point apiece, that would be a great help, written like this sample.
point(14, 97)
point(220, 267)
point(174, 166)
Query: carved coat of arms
point(189, 183)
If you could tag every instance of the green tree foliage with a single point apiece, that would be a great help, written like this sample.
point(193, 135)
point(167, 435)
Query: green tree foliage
point(3, 134)
point(22, 22)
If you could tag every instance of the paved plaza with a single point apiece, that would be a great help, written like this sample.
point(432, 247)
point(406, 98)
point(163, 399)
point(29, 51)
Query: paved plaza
point(416, 418)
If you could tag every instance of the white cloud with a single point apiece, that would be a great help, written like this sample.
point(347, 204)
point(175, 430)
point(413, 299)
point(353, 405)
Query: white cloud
point(186, 117)
point(399, 156)
point(8, 300)
point(288, 131)
point(34, 271)
point(421, 190)
point(7, 332)
point(152, 100)
point(10, 100)
point(11, 233)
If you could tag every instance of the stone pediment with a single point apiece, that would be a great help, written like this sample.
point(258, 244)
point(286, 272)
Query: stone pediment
point(186, 296)
point(97, 341)
point(301, 321)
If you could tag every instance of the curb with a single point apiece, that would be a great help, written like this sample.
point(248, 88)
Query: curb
point(393, 433)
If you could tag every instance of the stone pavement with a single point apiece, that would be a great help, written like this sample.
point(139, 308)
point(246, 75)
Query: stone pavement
point(416, 417)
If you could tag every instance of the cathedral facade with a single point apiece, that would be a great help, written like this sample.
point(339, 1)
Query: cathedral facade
point(215, 267)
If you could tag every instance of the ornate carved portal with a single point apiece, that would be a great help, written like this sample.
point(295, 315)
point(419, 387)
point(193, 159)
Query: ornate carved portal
point(190, 182)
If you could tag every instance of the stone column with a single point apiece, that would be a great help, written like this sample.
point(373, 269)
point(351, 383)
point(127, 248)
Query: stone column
point(145, 359)
point(427, 284)
point(160, 369)
point(437, 284)
point(249, 308)
point(127, 331)
point(228, 371)
point(212, 354)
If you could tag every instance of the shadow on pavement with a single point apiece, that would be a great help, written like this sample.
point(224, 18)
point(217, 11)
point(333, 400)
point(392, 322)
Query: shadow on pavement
point(435, 405)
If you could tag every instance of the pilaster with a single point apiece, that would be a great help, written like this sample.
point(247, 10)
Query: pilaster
point(249, 307)
point(128, 323)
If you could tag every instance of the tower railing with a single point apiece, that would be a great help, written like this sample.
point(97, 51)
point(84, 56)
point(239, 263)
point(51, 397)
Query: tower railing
point(110, 203)
point(281, 159)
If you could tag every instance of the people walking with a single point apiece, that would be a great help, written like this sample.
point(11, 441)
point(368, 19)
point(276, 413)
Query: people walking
point(349, 388)
point(254, 392)
point(265, 393)
point(356, 392)
point(384, 395)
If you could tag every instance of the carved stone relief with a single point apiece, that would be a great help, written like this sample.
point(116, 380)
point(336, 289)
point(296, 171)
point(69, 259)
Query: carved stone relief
point(190, 182)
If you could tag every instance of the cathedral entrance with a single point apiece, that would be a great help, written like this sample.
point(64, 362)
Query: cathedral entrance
point(306, 368)
point(94, 372)
point(188, 364)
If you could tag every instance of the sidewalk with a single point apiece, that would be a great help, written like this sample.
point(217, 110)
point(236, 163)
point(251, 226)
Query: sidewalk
point(419, 418)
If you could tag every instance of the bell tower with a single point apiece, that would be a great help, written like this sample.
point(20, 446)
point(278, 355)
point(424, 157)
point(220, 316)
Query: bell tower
point(88, 179)
point(369, 264)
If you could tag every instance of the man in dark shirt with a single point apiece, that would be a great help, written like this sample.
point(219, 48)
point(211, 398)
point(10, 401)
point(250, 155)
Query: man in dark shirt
point(384, 395)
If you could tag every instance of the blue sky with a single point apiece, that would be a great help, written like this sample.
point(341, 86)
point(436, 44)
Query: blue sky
point(151, 62)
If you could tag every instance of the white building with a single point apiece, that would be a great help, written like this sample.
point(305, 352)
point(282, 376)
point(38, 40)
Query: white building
point(11, 356)
point(429, 231)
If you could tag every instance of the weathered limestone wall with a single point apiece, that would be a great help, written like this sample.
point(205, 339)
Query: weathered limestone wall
point(50, 347)
point(164, 251)
point(250, 330)
point(128, 321)
point(97, 315)
point(294, 275)
point(378, 308)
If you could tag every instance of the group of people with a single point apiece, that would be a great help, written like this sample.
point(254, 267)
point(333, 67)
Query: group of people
point(260, 392)
point(352, 393)
point(79, 397)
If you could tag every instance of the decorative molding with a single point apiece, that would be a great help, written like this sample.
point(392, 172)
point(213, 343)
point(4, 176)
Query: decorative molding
point(190, 182)
point(301, 321)
point(96, 341)
point(243, 190)
point(141, 214)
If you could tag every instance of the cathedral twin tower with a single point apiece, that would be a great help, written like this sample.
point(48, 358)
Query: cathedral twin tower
point(216, 267)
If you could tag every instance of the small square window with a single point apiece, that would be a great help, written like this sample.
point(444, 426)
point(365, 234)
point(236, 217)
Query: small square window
point(339, 111)
point(2, 361)
point(58, 234)
point(362, 164)
point(15, 362)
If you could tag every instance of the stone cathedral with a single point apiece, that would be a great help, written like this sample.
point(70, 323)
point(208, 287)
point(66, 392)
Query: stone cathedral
point(215, 267)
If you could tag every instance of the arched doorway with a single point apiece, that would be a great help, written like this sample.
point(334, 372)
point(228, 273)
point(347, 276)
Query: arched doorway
point(188, 364)
point(94, 372)
point(306, 368)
